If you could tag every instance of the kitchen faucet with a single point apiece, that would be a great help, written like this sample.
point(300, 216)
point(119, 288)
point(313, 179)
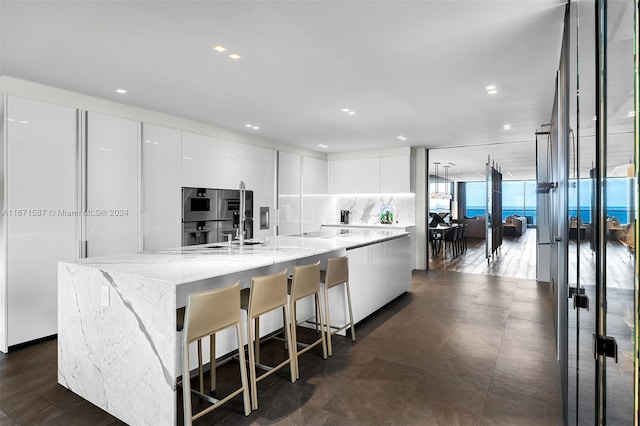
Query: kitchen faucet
point(241, 213)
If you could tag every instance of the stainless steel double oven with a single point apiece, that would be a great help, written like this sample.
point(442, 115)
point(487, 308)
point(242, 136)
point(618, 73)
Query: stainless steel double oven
point(209, 215)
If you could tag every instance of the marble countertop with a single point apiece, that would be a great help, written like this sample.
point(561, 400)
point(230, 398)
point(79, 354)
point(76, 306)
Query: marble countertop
point(192, 263)
point(366, 226)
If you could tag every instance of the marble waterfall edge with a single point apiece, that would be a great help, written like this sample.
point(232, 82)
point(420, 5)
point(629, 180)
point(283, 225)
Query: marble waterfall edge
point(128, 366)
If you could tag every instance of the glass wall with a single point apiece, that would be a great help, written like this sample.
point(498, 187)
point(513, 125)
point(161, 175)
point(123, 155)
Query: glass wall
point(475, 199)
point(518, 198)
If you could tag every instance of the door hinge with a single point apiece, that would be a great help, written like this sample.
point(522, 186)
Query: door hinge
point(575, 290)
point(605, 345)
point(580, 301)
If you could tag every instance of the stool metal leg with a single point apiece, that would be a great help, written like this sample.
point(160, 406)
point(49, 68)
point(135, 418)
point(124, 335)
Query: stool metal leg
point(319, 321)
point(353, 327)
point(212, 362)
point(200, 365)
point(243, 372)
point(292, 362)
point(327, 320)
point(252, 364)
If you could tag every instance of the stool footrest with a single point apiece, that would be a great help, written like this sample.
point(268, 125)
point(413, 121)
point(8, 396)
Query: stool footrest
point(264, 367)
point(214, 401)
point(205, 396)
point(338, 329)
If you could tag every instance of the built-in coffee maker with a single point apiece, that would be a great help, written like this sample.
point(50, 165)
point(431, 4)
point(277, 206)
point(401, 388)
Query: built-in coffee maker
point(210, 215)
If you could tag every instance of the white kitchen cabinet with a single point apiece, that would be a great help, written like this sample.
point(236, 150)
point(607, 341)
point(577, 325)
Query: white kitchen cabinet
point(341, 177)
point(41, 214)
point(233, 164)
point(289, 189)
point(316, 208)
point(261, 181)
point(112, 185)
point(395, 174)
point(199, 161)
point(161, 188)
point(314, 176)
point(370, 175)
point(366, 177)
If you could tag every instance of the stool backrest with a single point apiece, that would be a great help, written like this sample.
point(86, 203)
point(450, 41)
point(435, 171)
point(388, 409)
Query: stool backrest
point(210, 311)
point(267, 293)
point(306, 280)
point(337, 271)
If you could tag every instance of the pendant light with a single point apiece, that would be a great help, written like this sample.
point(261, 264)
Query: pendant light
point(446, 193)
point(434, 194)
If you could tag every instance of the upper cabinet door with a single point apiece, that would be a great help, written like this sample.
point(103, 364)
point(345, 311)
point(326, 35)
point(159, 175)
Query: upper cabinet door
point(366, 175)
point(288, 174)
point(112, 185)
point(395, 174)
point(289, 212)
point(341, 177)
point(199, 161)
point(161, 187)
point(262, 181)
point(314, 176)
point(233, 164)
point(40, 181)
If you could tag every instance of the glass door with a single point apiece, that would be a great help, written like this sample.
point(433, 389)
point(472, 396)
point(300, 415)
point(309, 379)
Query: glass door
point(619, 216)
point(603, 198)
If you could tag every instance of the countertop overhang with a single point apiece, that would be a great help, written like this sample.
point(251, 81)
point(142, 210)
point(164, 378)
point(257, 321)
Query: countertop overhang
point(188, 264)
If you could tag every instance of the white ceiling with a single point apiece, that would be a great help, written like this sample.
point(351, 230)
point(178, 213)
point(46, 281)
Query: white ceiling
point(413, 68)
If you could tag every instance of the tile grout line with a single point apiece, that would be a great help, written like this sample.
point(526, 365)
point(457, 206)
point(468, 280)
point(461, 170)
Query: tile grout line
point(493, 369)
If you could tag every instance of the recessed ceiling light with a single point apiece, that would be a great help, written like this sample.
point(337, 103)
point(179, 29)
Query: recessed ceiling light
point(402, 138)
point(321, 145)
point(234, 56)
point(256, 127)
point(11, 119)
point(121, 91)
point(345, 110)
point(507, 126)
point(492, 92)
point(248, 125)
point(351, 113)
point(24, 122)
point(219, 48)
point(491, 87)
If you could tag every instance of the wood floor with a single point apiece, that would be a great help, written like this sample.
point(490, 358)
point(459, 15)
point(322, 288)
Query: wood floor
point(516, 258)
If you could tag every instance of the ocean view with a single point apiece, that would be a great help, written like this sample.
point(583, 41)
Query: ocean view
point(618, 212)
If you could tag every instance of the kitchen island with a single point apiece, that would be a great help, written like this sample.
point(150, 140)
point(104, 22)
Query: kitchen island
point(117, 341)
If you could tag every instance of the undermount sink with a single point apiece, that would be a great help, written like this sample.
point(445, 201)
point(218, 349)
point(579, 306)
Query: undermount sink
point(234, 244)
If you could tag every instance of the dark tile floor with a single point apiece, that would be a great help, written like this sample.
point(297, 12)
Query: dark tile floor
point(459, 349)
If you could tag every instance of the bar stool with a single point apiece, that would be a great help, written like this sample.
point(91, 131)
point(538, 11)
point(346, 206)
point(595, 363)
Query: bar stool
point(305, 282)
point(206, 314)
point(337, 273)
point(267, 293)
